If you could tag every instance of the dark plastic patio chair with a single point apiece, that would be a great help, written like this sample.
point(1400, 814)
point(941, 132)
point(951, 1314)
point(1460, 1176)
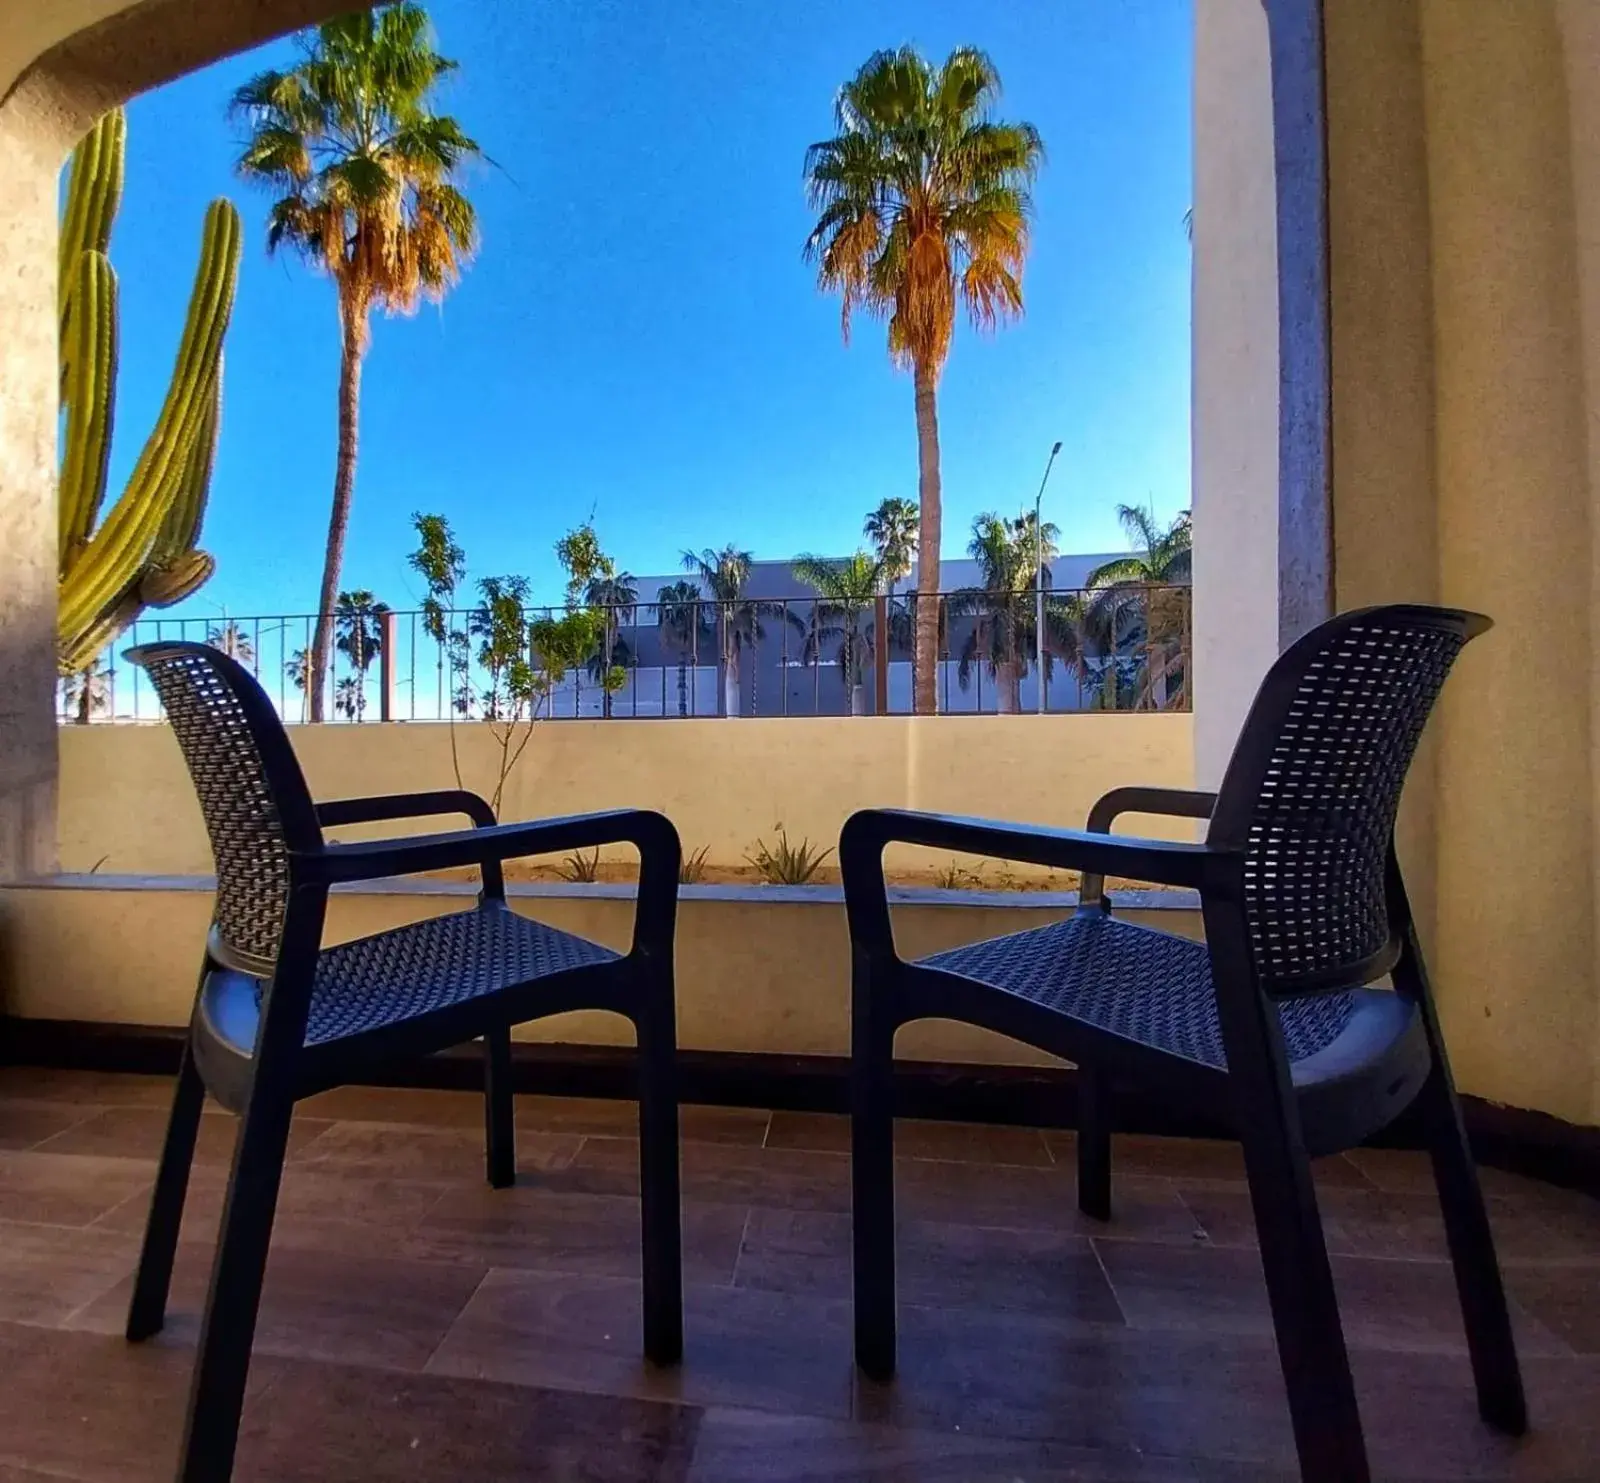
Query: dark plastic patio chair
point(1273, 1017)
point(278, 1017)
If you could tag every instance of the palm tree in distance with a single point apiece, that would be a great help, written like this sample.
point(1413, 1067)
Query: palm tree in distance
point(681, 617)
point(892, 529)
point(846, 592)
point(295, 669)
point(922, 205)
point(358, 628)
point(615, 594)
point(89, 691)
point(722, 576)
point(364, 173)
point(1142, 602)
point(233, 641)
point(1003, 635)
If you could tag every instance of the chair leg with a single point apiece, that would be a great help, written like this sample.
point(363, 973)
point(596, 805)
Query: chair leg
point(1493, 1347)
point(872, 1180)
point(148, 1309)
point(1094, 1143)
point(661, 1223)
point(500, 1137)
point(216, 1394)
point(1305, 1306)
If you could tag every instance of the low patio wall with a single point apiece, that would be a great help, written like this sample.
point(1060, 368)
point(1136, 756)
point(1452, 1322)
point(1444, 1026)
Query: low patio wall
point(759, 969)
point(126, 804)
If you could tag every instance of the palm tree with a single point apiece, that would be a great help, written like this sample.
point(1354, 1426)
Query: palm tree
point(681, 617)
point(359, 628)
point(1003, 633)
point(723, 574)
point(89, 691)
point(365, 173)
point(615, 594)
point(234, 642)
point(295, 669)
point(350, 698)
point(846, 593)
point(923, 204)
point(892, 529)
point(1142, 601)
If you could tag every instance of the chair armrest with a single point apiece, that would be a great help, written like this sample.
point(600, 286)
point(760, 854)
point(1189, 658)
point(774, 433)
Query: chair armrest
point(417, 806)
point(406, 806)
point(652, 834)
point(1177, 803)
point(861, 845)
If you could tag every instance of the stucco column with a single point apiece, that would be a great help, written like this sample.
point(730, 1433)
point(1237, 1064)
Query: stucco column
point(1235, 374)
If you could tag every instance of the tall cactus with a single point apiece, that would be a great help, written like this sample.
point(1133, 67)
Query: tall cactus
point(144, 552)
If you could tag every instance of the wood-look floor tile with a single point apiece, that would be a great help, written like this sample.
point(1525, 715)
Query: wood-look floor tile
point(368, 1309)
point(604, 1117)
point(92, 1089)
point(25, 1124)
point(1564, 1297)
point(423, 1106)
point(1037, 1199)
point(762, 1447)
point(335, 1424)
point(1011, 1375)
point(67, 1189)
point(915, 1138)
point(387, 1150)
point(593, 1235)
point(1039, 1272)
point(1383, 1304)
point(90, 1407)
point(317, 1209)
point(47, 1273)
point(138, 1133)
point(1195, 1159)
point(759, 1350)
point(1355, 1222)
point(717, 1173)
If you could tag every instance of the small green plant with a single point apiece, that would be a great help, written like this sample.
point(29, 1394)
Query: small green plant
point(692, 868)
point(581, 867)
point(957, 877)
point(784, 864)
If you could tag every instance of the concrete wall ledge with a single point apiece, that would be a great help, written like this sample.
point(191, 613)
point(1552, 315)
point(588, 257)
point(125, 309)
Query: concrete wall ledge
point(763, 895)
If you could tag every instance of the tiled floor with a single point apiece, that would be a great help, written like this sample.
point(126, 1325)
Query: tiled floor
point(420, 1326)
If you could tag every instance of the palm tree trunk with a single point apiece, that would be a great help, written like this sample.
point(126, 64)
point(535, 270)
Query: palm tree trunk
point(926, 667)
point(1008, 687)
point(352, 321)
point(85, 702)
point(683, 687)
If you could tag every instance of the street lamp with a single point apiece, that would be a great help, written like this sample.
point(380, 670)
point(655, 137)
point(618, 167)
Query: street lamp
point(1038, 573)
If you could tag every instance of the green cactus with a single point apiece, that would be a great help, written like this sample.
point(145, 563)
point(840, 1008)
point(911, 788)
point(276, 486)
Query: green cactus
point(143, 553)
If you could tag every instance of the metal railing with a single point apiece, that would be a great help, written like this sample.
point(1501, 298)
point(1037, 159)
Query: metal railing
point(1126, 648)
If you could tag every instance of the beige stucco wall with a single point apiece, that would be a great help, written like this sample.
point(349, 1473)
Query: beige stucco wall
point(1466, 348)
point(127, 804)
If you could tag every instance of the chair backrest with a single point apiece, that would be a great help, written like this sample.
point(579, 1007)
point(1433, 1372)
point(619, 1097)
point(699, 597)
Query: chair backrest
point(251, 790)
point(1314, 783)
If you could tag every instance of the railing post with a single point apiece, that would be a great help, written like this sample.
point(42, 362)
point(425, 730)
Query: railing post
point(880, 678)
point(387, 628)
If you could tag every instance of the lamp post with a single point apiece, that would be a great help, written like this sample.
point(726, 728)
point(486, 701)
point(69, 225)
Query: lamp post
point(1038, 573)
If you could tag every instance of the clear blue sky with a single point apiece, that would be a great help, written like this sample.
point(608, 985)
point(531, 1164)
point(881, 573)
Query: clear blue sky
point(639, 336)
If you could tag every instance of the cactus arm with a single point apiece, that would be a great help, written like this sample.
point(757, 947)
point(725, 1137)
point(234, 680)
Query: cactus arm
point(94, 191)
point(114, 557)
point(181, 529)
point(89, 373)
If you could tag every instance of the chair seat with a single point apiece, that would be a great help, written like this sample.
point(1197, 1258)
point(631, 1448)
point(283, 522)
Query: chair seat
point(1155, 989)
point(431, 965)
